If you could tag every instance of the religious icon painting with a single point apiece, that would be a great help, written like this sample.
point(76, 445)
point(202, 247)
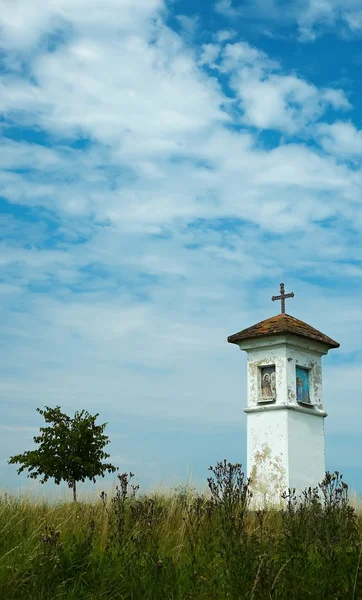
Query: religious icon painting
point(302, 379)
point(268, 391)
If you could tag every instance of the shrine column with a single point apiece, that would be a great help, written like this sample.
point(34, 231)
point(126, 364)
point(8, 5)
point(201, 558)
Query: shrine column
point(285, 414)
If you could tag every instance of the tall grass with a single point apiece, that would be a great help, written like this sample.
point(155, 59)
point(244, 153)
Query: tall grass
point(183, 545)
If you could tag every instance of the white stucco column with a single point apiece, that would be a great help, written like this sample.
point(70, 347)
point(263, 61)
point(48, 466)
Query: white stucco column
point(285, 414)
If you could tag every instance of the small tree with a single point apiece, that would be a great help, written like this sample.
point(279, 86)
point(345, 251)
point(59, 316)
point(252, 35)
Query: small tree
point(69, 449)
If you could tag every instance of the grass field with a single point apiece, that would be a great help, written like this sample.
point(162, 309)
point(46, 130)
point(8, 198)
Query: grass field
point(183, 545)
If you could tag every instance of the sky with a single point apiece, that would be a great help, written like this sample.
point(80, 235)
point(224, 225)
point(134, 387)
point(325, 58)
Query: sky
point(164, 165)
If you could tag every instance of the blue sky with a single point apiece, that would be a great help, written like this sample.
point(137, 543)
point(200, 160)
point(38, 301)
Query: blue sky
point(164, 165)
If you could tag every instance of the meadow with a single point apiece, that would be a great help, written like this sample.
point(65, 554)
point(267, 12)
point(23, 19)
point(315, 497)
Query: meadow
point(183, 544)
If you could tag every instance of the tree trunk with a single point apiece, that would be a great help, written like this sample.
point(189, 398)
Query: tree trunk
point(74, 491)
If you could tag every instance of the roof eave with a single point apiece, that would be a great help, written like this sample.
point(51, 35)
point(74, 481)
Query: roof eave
point(234, 339)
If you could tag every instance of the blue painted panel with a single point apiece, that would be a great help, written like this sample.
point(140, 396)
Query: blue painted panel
point(302, 377)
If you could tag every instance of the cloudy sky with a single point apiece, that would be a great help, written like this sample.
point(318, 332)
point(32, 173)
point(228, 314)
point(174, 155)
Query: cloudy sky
point(164, 165)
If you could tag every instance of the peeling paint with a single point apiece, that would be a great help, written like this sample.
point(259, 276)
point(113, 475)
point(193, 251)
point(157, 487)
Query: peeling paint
point(291, 394)
point(268, 476)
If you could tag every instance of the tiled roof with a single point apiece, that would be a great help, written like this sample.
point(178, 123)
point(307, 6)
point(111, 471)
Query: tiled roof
point(282, 324)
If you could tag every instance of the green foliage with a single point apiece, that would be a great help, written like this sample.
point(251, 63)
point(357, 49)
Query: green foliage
point(69, 449)
point(184, 546)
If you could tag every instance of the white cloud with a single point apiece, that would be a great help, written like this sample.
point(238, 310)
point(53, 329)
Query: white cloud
point(341, 138)
point(225, 7)
point(272, 100)
point(89, 73)
point(224, 35)
point(354, 19)
point(209, 53)
point(336, 98)
point(312, 17)
point(316, 16)
point(313, 14)
point(23, 24)
point(236, 55)
point(189, 25)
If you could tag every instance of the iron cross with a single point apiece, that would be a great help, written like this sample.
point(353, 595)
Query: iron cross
point(282, 297)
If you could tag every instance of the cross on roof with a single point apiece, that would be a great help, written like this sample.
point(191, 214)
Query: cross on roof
point(282, 297)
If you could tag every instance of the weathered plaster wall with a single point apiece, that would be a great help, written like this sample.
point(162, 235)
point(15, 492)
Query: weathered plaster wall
point(267, 455)
point(258, 358)
point(306, 454)
point(285, 356)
